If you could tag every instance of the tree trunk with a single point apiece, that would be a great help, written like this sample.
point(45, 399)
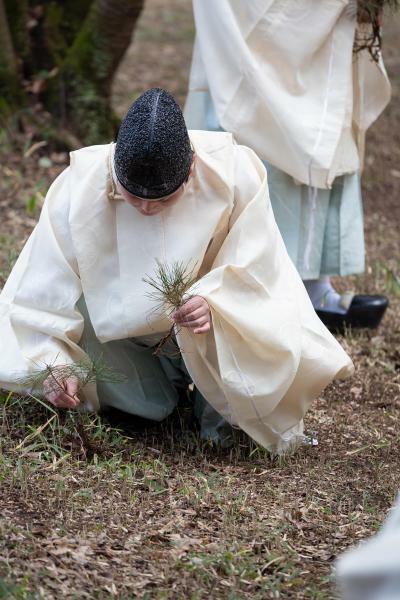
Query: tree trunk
point(90, 65)
point(9, 90)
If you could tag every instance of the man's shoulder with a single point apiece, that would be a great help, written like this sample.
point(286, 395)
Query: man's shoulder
point(89, 172)
point(92, 152)
point(90, 163)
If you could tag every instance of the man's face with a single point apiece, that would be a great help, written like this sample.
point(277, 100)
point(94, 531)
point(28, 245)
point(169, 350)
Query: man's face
point(154, 207)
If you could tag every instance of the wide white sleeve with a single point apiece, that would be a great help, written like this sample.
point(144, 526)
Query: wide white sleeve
point(39, 321)
point(268, 355)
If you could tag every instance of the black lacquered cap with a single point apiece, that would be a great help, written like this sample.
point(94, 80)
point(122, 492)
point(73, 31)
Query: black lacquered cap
point(153, 153)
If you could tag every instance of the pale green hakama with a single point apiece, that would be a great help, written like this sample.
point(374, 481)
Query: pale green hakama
point(322, 229)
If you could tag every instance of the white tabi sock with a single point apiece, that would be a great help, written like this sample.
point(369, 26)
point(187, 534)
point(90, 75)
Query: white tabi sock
point(323, 295)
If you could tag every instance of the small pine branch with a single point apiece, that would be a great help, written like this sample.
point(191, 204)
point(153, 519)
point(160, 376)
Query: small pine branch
point(86, 371)
point(170, 285)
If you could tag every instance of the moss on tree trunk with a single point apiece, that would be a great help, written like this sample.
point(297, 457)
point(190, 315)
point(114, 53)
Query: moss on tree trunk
point(90, 64)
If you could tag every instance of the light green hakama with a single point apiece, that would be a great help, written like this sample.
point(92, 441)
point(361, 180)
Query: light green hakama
point(322, 229)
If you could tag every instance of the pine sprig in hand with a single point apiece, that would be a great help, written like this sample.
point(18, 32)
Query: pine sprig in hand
point(170, 285)
point(52, 378)
point(85, 371)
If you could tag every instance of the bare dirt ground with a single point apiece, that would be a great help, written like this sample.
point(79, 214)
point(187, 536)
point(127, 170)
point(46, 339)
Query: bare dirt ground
point(89, 513)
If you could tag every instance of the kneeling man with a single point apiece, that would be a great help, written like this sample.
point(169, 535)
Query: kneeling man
point(249, 337)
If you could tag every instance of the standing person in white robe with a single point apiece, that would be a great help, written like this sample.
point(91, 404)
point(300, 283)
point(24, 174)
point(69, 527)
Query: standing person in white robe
point(250, 339)
point(282, 77)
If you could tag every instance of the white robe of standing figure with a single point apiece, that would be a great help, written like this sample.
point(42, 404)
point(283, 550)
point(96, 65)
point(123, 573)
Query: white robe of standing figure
point(281, 75)
point(284, 81)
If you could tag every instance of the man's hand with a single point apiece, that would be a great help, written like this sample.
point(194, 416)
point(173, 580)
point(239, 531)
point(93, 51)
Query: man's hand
point(195, 313)
point(61, 393)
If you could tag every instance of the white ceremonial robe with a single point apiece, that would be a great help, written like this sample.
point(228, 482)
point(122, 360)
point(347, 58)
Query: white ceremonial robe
point(284, 80)
point(267, 355)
